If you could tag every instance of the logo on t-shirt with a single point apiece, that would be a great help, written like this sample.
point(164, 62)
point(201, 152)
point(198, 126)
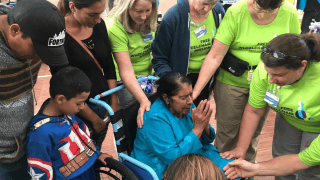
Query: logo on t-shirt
point(301, 113)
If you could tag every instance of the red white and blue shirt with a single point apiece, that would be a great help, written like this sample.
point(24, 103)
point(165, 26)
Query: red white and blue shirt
point(53, 142)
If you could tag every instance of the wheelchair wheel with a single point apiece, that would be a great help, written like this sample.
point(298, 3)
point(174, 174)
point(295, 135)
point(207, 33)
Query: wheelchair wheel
point(116, 170)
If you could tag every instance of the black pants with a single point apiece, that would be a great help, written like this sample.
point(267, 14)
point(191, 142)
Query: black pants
point(311, 11)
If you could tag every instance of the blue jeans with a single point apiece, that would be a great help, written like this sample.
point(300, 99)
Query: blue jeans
point(15, 171)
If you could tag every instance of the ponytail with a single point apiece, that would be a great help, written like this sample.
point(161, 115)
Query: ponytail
point(63, 6)
point(313, 43)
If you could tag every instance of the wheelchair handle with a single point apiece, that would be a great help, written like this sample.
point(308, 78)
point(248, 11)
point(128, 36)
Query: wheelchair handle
point(96, 100)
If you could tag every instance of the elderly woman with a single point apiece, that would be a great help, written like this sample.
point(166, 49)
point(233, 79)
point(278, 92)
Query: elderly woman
point(288, 82)
point(182, 49)
point(247, 26)
point(174, 126)
point(130, 27)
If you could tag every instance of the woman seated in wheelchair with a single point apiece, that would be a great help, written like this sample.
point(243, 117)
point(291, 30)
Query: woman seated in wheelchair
point(175, 127)
point(59, 144)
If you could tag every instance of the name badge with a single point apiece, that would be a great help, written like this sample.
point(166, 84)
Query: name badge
point(250, 75)
point(147, 37)
point(271, 99)
point(201, 31)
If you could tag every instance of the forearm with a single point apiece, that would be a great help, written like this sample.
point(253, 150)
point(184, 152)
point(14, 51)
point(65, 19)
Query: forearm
point(207, 131)
point(90, 115)
point(207, 70)
point(133, 86)
point(112, 83)
point(198, 132)
point(189, 144)
point(281, 166)
point(210, 64)
point(249, 124)
point(128, 77)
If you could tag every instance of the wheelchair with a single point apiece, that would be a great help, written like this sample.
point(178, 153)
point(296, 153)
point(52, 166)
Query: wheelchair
point(9, 3)
point(124, 125)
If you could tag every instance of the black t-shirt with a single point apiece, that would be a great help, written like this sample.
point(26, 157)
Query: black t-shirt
point(78, 57)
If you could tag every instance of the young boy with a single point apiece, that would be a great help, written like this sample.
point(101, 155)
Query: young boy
point(59, 144)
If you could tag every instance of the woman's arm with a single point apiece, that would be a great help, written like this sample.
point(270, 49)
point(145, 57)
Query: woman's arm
point(210, 64)
point(249, 124)
point(129, 79)
point(112, 83)
point(279, 166)
point(97, 123)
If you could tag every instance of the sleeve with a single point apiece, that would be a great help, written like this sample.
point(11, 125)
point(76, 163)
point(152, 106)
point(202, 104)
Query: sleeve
point(311, 155)
point(108, 68)
point(161, 139)
point(54, 69)
point(118, 37)
point(258, 87)
point(161, 50)
point(39, 161)
point(227, 30)
point(208, 140)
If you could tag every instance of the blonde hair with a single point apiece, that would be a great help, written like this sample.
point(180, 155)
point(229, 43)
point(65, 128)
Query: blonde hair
point(121, 9)
point(193, 167)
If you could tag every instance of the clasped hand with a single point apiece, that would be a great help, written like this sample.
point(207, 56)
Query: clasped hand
point(201, 115)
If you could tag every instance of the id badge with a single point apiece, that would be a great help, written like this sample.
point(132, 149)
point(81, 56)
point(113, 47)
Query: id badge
point(201, 31)
point(147, 37)
point(271, 99)
point(250, 75)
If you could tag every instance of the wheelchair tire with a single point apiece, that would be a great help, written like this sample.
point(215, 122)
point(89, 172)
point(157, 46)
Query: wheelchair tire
point(116, 170)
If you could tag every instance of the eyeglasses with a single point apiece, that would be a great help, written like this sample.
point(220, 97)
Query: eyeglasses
point(277, 54)
point(258, 9)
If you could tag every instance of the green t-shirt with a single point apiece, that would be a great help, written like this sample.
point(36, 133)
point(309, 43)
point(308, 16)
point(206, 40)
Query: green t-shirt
point(299, 103)
point(246, 38)
point(139, 49)
point(311, 155)
point(200, 45)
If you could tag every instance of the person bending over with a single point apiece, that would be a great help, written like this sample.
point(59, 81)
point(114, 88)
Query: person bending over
point(279, 166)
point(287, 81)
point(131, 25)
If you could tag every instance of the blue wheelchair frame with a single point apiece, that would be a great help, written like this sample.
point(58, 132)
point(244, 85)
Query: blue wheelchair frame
point(142, 171)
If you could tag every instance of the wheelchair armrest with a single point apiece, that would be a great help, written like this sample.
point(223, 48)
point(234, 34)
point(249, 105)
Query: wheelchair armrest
point(123, 157)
